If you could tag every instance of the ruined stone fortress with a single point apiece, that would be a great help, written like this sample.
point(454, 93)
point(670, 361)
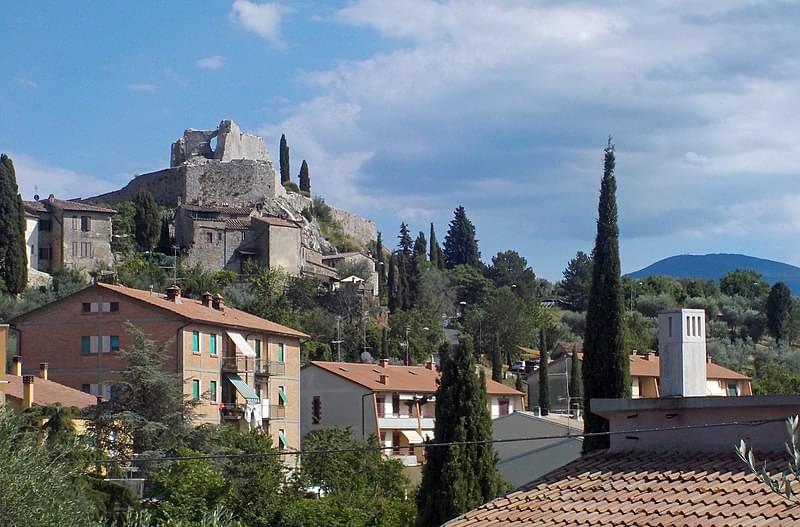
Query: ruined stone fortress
point(222, 167)
point(230, 208)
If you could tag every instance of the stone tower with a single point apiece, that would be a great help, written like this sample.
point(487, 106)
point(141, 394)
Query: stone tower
point(682, 353)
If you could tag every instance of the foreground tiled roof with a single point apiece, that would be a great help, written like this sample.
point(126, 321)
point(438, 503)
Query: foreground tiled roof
point(399, 378)
point(642, 489)
point(42, 205)
point(642, 366)
point(49, 392)
point(195, 310)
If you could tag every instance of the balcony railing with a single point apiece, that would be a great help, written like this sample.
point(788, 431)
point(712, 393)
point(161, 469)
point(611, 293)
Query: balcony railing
point(277, 411)
point(259, 366)
point(238, 363)
point(231, 411)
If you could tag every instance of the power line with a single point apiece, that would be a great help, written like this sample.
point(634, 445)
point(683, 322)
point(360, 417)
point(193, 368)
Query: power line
point(751, 423)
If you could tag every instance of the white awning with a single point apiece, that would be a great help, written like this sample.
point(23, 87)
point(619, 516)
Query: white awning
point(428, 435)
point(241, 344)
point(413, 437)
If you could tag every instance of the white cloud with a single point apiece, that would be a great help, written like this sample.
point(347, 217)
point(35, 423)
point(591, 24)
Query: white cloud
point(214, 62)
point(262, 19)
point(143, 87)
point(27, 83)
point(34, 176)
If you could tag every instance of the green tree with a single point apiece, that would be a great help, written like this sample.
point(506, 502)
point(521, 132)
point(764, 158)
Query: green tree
point(460, 245)
point(39, 483)
point(435, 251)
point(165, 239)
point(510, 269)
point(457, 478)
point(744, 282)
point(284, 161)
point(606, 371)
point(379, 257)
point(575, 380)
point(406, 245)
point(13, 247)
point(147, 220)
point(305, 180)
point(577, 281)
point(421, 246)
point(395, 283)
point(779, 311)
point(512, 322)
point(544, 368)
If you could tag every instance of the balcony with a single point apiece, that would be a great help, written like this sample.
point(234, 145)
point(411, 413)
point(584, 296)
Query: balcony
point(235, 411)
point(236, 364)
point(277, 411)
point(390, 422)
point(268, 367)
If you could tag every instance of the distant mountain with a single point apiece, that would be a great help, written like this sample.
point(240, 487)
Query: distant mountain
point(715, 266)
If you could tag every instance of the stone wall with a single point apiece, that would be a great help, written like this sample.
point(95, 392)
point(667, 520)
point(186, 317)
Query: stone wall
point(231, 143)
point(358, 228)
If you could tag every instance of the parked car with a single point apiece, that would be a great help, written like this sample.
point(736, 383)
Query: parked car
point(518, 366)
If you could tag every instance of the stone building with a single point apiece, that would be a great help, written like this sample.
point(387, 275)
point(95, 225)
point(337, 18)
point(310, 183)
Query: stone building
point(221, 167)
point(240, 369)
point(342, 261)
point(211, 236)
point(69, 234)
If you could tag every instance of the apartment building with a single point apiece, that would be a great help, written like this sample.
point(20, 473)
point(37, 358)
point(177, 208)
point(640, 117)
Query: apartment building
point(395, 403)
point(64, 234)
point(241, 369)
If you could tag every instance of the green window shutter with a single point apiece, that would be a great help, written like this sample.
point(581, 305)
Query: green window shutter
point(282, 440)
point(86, 345)
point(114, 343)
point(212, 388)
point(281, 353)
point(282, 396)
point(196, 341)
point(213, 344)
point(195, 390)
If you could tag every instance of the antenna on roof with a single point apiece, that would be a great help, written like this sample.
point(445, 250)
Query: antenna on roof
point(174, 265)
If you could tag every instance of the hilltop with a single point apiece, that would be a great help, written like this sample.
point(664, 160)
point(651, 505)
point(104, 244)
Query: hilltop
point(715, 266)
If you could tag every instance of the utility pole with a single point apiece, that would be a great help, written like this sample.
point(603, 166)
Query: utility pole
point(408, 363)
point(338, 340)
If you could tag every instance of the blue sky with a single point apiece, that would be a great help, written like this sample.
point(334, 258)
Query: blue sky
point(407, 109)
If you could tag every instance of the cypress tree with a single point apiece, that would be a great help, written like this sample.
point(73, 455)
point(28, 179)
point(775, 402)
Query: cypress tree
point(147, 220)
point(381, 266)
point(420, 246)
point(13, 246)
point(779, 311)
point(460, 245)
point(305, 180)
point(405, 280)
point(405, 244)
point(458, 478)
point(395, 290)
point(606, 370)
point(284, 161)
point(435, 251)
point(544, 379)
point(384, 343)
point(575, 381)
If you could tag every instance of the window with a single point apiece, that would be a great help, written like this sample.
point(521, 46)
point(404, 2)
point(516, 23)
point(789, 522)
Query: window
point(86, 250)
point(257, 348)
point(195, 389)
point(282, 399)
point(688, 334)
point(281, 352)
point(212, 345)
point(670, 327)
point(74, 223)
point(212, 391)
point(195, 342)
point(381, 404)
point(283, 442)
point(75, 249)
point(694, 326)
point(113, 307)
point(86, 223)
point(733, 388)
point(316, 410)
point(219, 236)
point(86, 388)
point(114, 343)
point(244, 233)
point(44, 253)
point(86, 307)
point(45, 225)
point(699, 327)
point(86, 345)
point(396, 405)
point(33, 251)
point(210, 237)
point(503, 406)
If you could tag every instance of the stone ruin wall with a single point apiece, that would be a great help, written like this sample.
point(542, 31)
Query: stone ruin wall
point(360, 229)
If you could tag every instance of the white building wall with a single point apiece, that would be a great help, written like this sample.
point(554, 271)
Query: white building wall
point(32, 240)
point(341, 403)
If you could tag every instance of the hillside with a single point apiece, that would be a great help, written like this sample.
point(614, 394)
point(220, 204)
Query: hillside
point(715, 266)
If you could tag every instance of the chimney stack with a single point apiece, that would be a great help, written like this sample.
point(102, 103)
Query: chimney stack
point(206, 298)
point(383, 378)
point(383, 363)
point(43, 370)
point(682, 353)
point(218, 303)
point(174, 294)
point(27, 391)
point(16, 365)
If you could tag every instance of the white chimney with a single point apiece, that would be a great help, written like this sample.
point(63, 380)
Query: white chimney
point(682, 353)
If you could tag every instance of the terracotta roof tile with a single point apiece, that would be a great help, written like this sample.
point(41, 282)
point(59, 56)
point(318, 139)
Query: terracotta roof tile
point(642, 489)
point(231, 211)
point(279, 222)
point(194, 310)
point(400, 378)
point(43, 205)
point(49, 392)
